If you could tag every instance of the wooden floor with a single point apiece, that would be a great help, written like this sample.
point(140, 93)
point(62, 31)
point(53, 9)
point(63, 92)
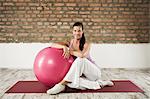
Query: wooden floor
point(140, 77)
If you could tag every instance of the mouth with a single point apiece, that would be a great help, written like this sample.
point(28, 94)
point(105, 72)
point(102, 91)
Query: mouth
point(77, 36)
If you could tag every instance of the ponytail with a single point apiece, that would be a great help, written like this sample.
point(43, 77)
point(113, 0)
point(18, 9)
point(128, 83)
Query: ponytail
point(82, 42)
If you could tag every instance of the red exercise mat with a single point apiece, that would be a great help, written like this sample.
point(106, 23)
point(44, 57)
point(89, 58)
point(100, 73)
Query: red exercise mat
point(37, 87)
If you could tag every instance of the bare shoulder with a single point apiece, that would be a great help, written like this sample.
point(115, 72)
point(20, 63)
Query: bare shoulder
point(71, 40)
point(87, 44)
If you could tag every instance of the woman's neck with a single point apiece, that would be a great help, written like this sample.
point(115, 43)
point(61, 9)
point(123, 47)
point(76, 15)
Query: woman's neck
point(76, 41)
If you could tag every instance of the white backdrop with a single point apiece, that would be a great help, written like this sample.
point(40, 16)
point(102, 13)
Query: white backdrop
point(22, 55)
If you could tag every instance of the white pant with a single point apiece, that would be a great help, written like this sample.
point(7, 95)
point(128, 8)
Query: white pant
point(91, 72)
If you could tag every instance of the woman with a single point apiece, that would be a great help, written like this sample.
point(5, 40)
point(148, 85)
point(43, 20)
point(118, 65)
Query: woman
point(83, 73)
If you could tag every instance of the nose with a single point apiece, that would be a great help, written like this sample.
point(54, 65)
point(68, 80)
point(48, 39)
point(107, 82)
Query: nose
point(77, 32)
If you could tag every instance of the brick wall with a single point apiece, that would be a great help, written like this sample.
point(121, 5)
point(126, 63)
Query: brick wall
point(149, 21)
point(105, 21)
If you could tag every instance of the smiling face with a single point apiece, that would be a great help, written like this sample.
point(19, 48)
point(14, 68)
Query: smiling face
point(77, 32)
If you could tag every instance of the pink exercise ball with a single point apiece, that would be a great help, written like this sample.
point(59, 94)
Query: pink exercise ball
point(50, 67)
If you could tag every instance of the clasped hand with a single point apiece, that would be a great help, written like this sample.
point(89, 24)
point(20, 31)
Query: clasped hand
point(66, 52)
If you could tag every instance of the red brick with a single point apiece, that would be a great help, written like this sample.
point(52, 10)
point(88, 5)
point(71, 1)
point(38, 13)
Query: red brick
point(65, 19)
point(96, 27)
point(59, 4)
point(84, 12)
point(27, 27)
point(8, 4)
point(95, 4)
point(33, 4)
point(71, 4)
point(20, 4)
point(96, 20)
point(22, 34)
point(83, 4)
point(72, 12)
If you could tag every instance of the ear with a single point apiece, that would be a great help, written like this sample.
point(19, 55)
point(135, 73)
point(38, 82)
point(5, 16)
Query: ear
point(82, 31)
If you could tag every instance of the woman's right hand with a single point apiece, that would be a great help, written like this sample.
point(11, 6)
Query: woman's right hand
point(66, 52)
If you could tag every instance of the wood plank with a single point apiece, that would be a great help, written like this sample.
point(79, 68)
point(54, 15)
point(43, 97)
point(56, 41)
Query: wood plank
point(140, 77)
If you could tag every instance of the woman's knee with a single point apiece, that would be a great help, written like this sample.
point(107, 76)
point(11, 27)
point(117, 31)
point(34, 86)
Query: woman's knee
point(78, 59)
point(81, 60)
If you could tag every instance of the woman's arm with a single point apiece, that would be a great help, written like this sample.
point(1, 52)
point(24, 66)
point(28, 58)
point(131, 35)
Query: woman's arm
point(61, 44)
point(66, 53)
point(82, 53)
point(56, 45)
